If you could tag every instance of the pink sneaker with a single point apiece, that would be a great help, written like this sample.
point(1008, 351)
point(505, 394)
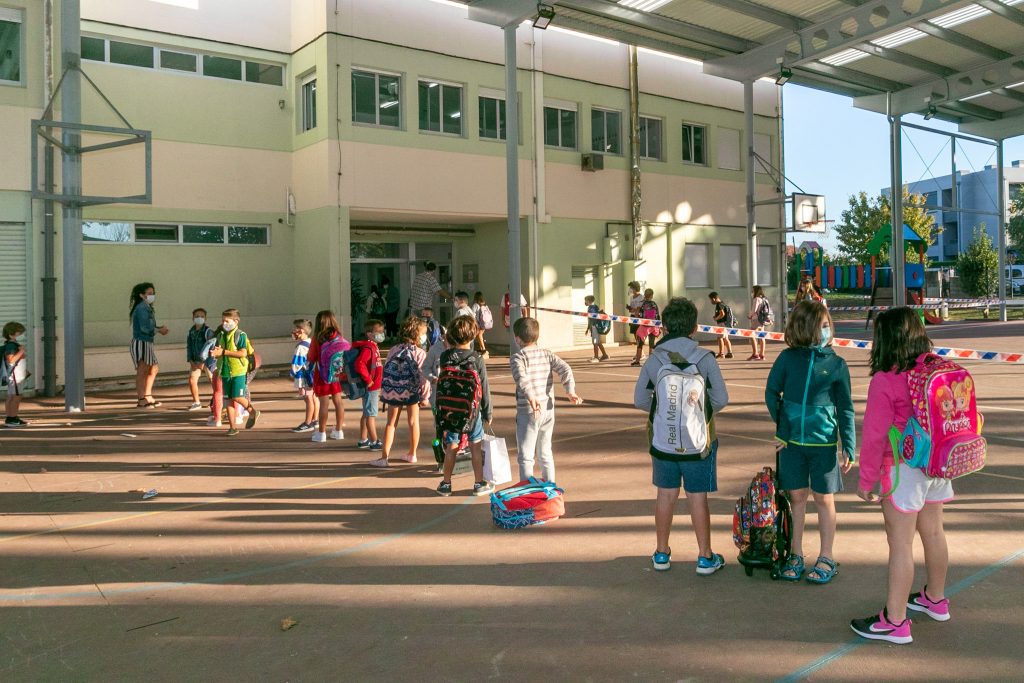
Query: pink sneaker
point(878, 627)
point(936, 609)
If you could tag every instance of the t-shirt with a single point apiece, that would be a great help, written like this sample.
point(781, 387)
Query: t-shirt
point(464, 310)
point(20, 372)
point(728, 319)
point(301, 370)
point(424, 287)
point(229, 366)
point(533, 370)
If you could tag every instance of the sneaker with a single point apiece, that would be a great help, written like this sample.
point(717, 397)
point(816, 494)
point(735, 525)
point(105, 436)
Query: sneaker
point(212, 422)
point(376, 446)
point(319, 437)
point(604, 357)
point(314, 424)
point(408, 458)
point(595, 360)
point(482, 488)
point(379, 462)
point(195, 406)
point(936, 609)
point(709, 565)
point(232, 432)
point(337, 434)
point(754, 356)
point(878, 627)
point(728, 355)
point(487, 355)
point(364, 444)
point(303, 427)
point(14, 422)
point(444, 488)
point(240, 418)
point(661, 561)
point(254, 416)
point(635, 364)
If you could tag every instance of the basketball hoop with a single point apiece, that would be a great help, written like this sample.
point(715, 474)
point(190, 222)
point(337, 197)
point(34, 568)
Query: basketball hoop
point(817, 226)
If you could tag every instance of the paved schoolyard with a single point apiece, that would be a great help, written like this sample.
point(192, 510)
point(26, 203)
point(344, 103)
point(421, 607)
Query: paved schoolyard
point(386, 580)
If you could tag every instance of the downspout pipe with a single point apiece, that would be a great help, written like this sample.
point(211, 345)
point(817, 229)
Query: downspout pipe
point(515, 275)
point(635, 189)
point(49, 279)
point(748, 121)
point(898, 255)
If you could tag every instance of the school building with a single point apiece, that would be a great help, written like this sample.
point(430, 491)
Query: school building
point(302, 150)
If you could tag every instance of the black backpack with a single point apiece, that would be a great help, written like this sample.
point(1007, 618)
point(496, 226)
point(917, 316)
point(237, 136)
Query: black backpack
point(459, 393)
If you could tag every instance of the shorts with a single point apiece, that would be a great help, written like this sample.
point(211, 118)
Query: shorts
point(234, 387)
point(304, 392)
point(914, 488)
point(142, 352)
point(12, 387)
point(476, 433)
point(595, 336)
point(696, 476)
point(324, 389)
point(371, 403)
point(817, 466)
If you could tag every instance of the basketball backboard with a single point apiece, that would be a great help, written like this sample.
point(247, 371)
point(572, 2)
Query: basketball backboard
point(808, 213)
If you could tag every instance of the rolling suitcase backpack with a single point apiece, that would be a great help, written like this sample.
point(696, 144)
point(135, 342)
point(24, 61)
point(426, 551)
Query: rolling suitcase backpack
point(528, 503)
point(762, 525)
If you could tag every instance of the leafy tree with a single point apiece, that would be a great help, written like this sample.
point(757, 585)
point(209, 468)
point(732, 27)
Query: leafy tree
point(866, 215)
point(1015, 227)
point(978, 265)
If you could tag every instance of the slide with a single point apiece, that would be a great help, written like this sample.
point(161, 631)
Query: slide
point(929, 315)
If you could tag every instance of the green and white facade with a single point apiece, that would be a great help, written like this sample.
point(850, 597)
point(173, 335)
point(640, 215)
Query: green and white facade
point(301, 147)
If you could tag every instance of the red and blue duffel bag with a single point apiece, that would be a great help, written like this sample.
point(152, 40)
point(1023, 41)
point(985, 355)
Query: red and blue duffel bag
point(530, 502)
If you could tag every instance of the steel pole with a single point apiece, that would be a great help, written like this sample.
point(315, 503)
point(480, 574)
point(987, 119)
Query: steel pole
point(898, 255)
point(1001, 226)
point(71, 219)
point(49, 280)
point(748, 125)
point(515, 284)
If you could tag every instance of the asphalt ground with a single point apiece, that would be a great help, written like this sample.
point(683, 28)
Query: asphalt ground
point(386, 580)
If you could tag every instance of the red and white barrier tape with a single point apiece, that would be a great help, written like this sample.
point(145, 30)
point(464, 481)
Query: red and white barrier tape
point(949, 352)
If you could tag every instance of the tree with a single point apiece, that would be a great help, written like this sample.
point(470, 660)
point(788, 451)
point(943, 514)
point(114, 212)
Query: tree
point(1015, 227)
point(978, 265)
point(866, 215)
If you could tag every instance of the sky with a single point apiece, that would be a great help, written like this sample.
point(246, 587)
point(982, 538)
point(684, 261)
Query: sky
point(835, 149)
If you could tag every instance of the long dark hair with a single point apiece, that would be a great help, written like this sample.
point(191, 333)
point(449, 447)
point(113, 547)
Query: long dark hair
point(137, 292)
point(326, 326)
point(899, 339)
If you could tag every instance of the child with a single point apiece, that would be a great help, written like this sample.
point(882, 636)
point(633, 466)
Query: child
point(532, 372)
point(432, 366)
point(594, 332)
point(915, 501)
point(195, 342)
point(649, 333)
point(12, 358)
point(484, 320)
point(760, 317)
point(699, 477)
point(461, 301)
point(461, 333)
point(404, 385)
point(232, 353)
point(302, 374)
point(435, 331)
point(808, 396)
point(327, 340)
point(367, 366)
point(725, 318)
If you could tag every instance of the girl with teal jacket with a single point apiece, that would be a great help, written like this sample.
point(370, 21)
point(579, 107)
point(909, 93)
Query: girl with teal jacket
point(808, 396)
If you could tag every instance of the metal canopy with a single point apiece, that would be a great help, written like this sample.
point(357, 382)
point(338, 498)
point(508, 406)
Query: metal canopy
point(962, 59)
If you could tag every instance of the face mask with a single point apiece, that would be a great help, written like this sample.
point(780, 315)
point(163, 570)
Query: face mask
point(379, 337)
point(198, 320)
point(229, 325)
point(20, 339)
point(150, 298)
point(423, 339)
point(826, 336)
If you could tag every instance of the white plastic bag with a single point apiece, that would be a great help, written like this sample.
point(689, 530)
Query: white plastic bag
point(497, 468)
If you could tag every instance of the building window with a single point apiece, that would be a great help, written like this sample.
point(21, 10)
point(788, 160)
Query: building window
point(146, 232)
point(375, 99)
point(696, 272)
point(177, 61)
point(222, 67)
point(766, 264)
point(238, 234)
point(308, 93)
point(931, 199)
point(94, 49)
point(492, 118)
point(440, 107)
point(131, 54)
point(202, 234)
point(606, 131)
point(109, 232)
point(560, 127)
point(268, 74)
point(101, 231)
point(730, 265)
point(650, 138)
point(10, 45)
point(694, 144)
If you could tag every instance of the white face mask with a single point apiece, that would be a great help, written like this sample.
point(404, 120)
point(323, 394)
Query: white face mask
point(150, 298)
point(20, 338)
point(198, 320)
point(826, 336)
point(229, 325)
point(423, 339)
point(379, 337)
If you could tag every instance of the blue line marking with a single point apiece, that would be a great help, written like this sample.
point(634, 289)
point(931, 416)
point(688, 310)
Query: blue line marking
point(856, 643)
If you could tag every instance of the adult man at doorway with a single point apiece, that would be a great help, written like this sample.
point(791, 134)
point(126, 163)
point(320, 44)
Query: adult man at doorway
point(392, 302)
point(424, 287)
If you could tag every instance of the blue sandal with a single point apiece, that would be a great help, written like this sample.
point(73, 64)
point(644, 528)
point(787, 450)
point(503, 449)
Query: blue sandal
point(794, 564)
point(821, 575)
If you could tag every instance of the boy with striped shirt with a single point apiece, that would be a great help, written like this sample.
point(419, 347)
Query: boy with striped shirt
point(533, 371)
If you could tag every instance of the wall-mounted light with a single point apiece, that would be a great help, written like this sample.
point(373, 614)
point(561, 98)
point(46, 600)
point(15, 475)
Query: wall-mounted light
point(545, 13)
point(784, 75)
point(930, 114)
point(280, 104)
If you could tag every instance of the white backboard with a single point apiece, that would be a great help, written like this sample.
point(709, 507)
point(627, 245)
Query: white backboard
point(808, 212)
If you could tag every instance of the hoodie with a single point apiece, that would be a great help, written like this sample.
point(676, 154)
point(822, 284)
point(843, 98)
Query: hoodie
point(367, 364)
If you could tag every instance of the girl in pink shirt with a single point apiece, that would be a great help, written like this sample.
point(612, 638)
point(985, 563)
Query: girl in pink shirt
point(911, 501)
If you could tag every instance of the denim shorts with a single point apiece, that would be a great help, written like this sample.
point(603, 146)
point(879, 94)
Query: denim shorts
point(476, 433)
point(696, 476)
point(371, 402)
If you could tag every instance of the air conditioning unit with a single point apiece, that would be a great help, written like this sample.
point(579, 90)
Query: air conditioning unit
point(592, 162)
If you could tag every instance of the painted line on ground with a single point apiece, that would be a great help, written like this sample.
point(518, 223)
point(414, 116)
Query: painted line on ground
point(849, 647)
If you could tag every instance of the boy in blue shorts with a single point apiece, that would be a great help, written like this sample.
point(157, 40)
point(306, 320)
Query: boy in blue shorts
point(698, 476)
point(368, 366)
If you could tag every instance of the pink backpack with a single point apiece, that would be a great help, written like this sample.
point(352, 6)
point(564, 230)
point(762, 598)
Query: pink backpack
point(943, 437)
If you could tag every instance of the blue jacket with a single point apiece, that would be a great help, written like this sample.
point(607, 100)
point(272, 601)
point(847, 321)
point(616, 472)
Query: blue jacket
point(143, 322)
point(808, 396)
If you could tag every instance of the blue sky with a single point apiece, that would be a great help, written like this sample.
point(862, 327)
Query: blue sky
point(835, 149)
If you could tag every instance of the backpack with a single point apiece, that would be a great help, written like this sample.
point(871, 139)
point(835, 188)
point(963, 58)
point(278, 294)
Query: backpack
point(603, 326)
point(762, 525)
point(528, 503)
point(943, 437)
point(459, 392)
point(331, 363)
point(433, 331)
point(764, 314)
point(484, 317)
point(649, 310)
point(252, 361)
point(378, 306)
point(353, 385)
point(680, 420)
point(403, 378)
point(5, 371)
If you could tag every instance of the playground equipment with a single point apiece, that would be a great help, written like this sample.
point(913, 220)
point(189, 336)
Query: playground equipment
point(913, 273)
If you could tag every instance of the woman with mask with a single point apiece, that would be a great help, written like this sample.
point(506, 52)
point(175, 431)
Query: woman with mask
point(144, 329)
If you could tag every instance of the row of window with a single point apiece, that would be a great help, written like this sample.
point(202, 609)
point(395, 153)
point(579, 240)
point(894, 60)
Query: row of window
point(697, 265)
point(171, 233)
point(152, 57)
